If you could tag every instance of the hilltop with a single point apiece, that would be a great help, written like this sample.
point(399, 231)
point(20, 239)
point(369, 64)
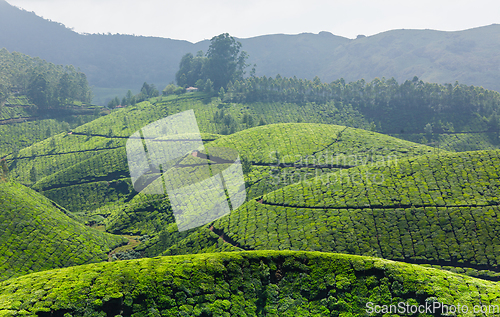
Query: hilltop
point(38, 235)
point(259, 283)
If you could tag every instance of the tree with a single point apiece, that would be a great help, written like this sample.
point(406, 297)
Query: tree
point(33, 175)
point(209, 86)
point(114, 103)
point(64, 89)
point(169, 90)
point(221, 93)
point(225, 61)
point(4, 170)
point(38, 90)
point(129, 97)
point(191, 69)
point(149, 91)
point(84, 91)
point(428, 129)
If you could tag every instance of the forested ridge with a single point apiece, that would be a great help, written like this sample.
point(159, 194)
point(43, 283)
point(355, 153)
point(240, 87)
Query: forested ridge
point(412, 106)
point(47, 86)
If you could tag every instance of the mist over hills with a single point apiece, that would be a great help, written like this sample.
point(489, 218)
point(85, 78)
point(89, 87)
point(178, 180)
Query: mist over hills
point(126, 61)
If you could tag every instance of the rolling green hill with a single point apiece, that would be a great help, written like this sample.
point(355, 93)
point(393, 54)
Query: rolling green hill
point(263, 283)
point(437, 209)
point(17, 136)
point(90, 143)
point(276, 155)
point(86, 171)
point(39, 235)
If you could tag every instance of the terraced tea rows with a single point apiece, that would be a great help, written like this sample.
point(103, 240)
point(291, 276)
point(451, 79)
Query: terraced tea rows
point(274, 156)
point(458, 179)
point(20, 135)
point(37, 235)
point(94, 140)
point(406, 216)
point(247, 284)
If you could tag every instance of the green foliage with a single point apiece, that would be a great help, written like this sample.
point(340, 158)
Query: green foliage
point(4, 171)
point(38, 235)
point(191, 69)
point(90, 172)
point(260, 283)
point(317, 149)
point(223, 63)
point(24, 134)
point(91, 142)
point(410, 108)
point(169, 89)
point(46, 85)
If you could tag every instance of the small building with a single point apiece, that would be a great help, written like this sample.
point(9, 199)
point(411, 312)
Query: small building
point(191, 89)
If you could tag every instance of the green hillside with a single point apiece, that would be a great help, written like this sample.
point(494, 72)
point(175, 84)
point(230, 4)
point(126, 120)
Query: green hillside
point(276, 155)
point(39, 235)
point(94, 140)
point(438, 209)
point(16, 136)
point(91, 142)
point(265, 283)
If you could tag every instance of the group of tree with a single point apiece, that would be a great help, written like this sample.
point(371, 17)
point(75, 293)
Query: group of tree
point(224, 62)
point(436, 107)
point(47, 86)
point(147, 91)
point(409, 106)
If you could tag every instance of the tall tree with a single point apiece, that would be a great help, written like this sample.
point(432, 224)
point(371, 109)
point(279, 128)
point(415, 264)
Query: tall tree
point(38, 90)
point(225, 61)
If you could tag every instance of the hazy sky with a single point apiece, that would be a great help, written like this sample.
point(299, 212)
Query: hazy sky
point(196, 20)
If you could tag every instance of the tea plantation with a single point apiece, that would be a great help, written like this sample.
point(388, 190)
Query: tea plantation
point(272, 163)
point(89, 143)
point(255, 283)
point(329, 206)
point(38, 235)
point(438, 209)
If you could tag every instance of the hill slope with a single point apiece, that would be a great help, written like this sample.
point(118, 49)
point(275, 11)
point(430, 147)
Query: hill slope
point(276, 155)
point(438, 209)
point(37, 235)
point(90, 145)
point(264, 283)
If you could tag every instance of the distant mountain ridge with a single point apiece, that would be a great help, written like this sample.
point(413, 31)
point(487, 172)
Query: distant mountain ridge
point(126, 61)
